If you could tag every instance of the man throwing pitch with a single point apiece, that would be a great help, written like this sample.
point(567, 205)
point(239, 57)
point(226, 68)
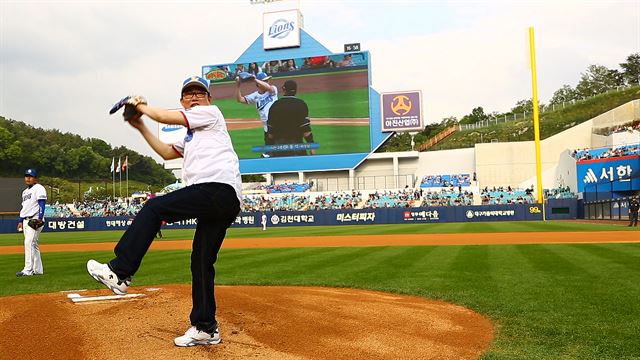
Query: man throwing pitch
point(31, 223)
point(212, 196)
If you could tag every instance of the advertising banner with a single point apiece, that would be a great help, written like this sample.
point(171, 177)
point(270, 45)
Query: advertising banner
point(401, 111)
point(615, 174)
point(423, 215)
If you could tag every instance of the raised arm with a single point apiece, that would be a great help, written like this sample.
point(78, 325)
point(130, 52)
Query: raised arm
point(239, 97)
point(161, 115)
point(265, 86)
point(166, 151)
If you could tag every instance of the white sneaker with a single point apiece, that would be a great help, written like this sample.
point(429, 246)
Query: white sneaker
point(103, 274)
point(194, 337)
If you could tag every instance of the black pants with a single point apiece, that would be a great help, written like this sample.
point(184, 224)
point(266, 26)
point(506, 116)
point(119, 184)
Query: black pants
point(215, 206)
point(633, 218)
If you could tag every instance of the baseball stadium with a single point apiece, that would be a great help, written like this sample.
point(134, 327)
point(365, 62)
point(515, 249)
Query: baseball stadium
point(440, 251)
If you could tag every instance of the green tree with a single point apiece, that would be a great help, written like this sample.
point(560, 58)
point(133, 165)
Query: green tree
point(448, 121)
point(525, 105)
point(68, 155)
point(565, 94)
point(598, 79)
point(631, 69)
point(477, 115)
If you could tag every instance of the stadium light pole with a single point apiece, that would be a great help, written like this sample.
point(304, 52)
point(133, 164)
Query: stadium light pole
point(536, 119)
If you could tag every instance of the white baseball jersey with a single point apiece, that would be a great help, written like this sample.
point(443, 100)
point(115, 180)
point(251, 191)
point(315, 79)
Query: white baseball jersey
point(30, 197)
point(207, 149)
point(263, 103)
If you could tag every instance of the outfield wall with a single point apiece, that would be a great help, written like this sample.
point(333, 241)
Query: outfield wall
point(423, 215)
point(502, 164)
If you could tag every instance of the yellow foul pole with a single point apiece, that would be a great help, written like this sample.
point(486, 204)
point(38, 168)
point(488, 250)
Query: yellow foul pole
point(536, 117)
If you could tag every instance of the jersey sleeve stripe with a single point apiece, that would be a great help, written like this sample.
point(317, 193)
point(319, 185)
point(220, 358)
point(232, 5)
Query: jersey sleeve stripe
point(185, 119)
point(176, 150)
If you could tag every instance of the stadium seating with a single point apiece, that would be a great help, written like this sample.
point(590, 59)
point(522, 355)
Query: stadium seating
point(447, 180)
point(446, 197)
point(402, 198)
point(606, 152)
point(420, 197)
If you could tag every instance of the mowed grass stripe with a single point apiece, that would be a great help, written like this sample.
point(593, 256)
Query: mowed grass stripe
point(342, 230)
point(399, 267)
point(618, 257)
point(471, 266)
point(346, 260)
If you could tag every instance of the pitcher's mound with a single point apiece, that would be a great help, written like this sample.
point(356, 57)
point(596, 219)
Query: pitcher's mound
point(270, 322)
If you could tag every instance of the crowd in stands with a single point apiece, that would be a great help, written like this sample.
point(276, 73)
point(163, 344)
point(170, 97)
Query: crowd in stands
point(448, 197)
point(624, 128)
point(508, 195)
point(342, 200)
point(94, 208)
point(559, 193)
point(285, 188)
point(286, 202)
point(457, 180)
point(604, 153)
point(297, 197)
point(282, 66)
point(402, 198)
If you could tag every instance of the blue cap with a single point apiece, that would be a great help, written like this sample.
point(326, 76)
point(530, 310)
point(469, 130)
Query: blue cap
point(31, 172)
point(263, 76)
point(197, 81)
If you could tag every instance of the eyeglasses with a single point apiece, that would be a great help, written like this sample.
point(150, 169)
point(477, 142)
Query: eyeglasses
point(194, 94)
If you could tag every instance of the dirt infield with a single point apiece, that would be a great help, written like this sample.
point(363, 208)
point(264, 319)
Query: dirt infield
point(364, 240)
point(255, 322)
point(262, 322)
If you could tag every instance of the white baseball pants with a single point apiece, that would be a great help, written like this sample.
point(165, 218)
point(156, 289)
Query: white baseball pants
point(32, 258)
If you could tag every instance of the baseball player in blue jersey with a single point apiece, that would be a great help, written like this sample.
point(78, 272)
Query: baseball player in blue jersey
point(211, 171)
point(31, 223)
point(263, 98)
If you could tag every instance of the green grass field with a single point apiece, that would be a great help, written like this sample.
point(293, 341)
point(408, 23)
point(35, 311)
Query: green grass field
point(573, 301)
point(333, 139)
point(328, 104)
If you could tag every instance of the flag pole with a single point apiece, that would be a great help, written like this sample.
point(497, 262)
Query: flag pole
point(113, 177)
point(126, 161)
point(120, 176)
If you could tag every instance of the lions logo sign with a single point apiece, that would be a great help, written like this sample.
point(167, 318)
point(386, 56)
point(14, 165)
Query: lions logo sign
point(281, 29)
point(401, 111)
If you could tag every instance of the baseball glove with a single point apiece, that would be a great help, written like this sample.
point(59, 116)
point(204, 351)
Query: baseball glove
point(129, 102)
point(35, 224)
point(245, 76)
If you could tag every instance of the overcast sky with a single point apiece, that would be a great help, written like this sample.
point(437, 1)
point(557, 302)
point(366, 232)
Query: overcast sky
point(64, 63)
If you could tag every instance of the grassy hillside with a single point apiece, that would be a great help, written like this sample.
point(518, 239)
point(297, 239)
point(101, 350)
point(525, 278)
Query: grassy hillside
point(551, 123)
